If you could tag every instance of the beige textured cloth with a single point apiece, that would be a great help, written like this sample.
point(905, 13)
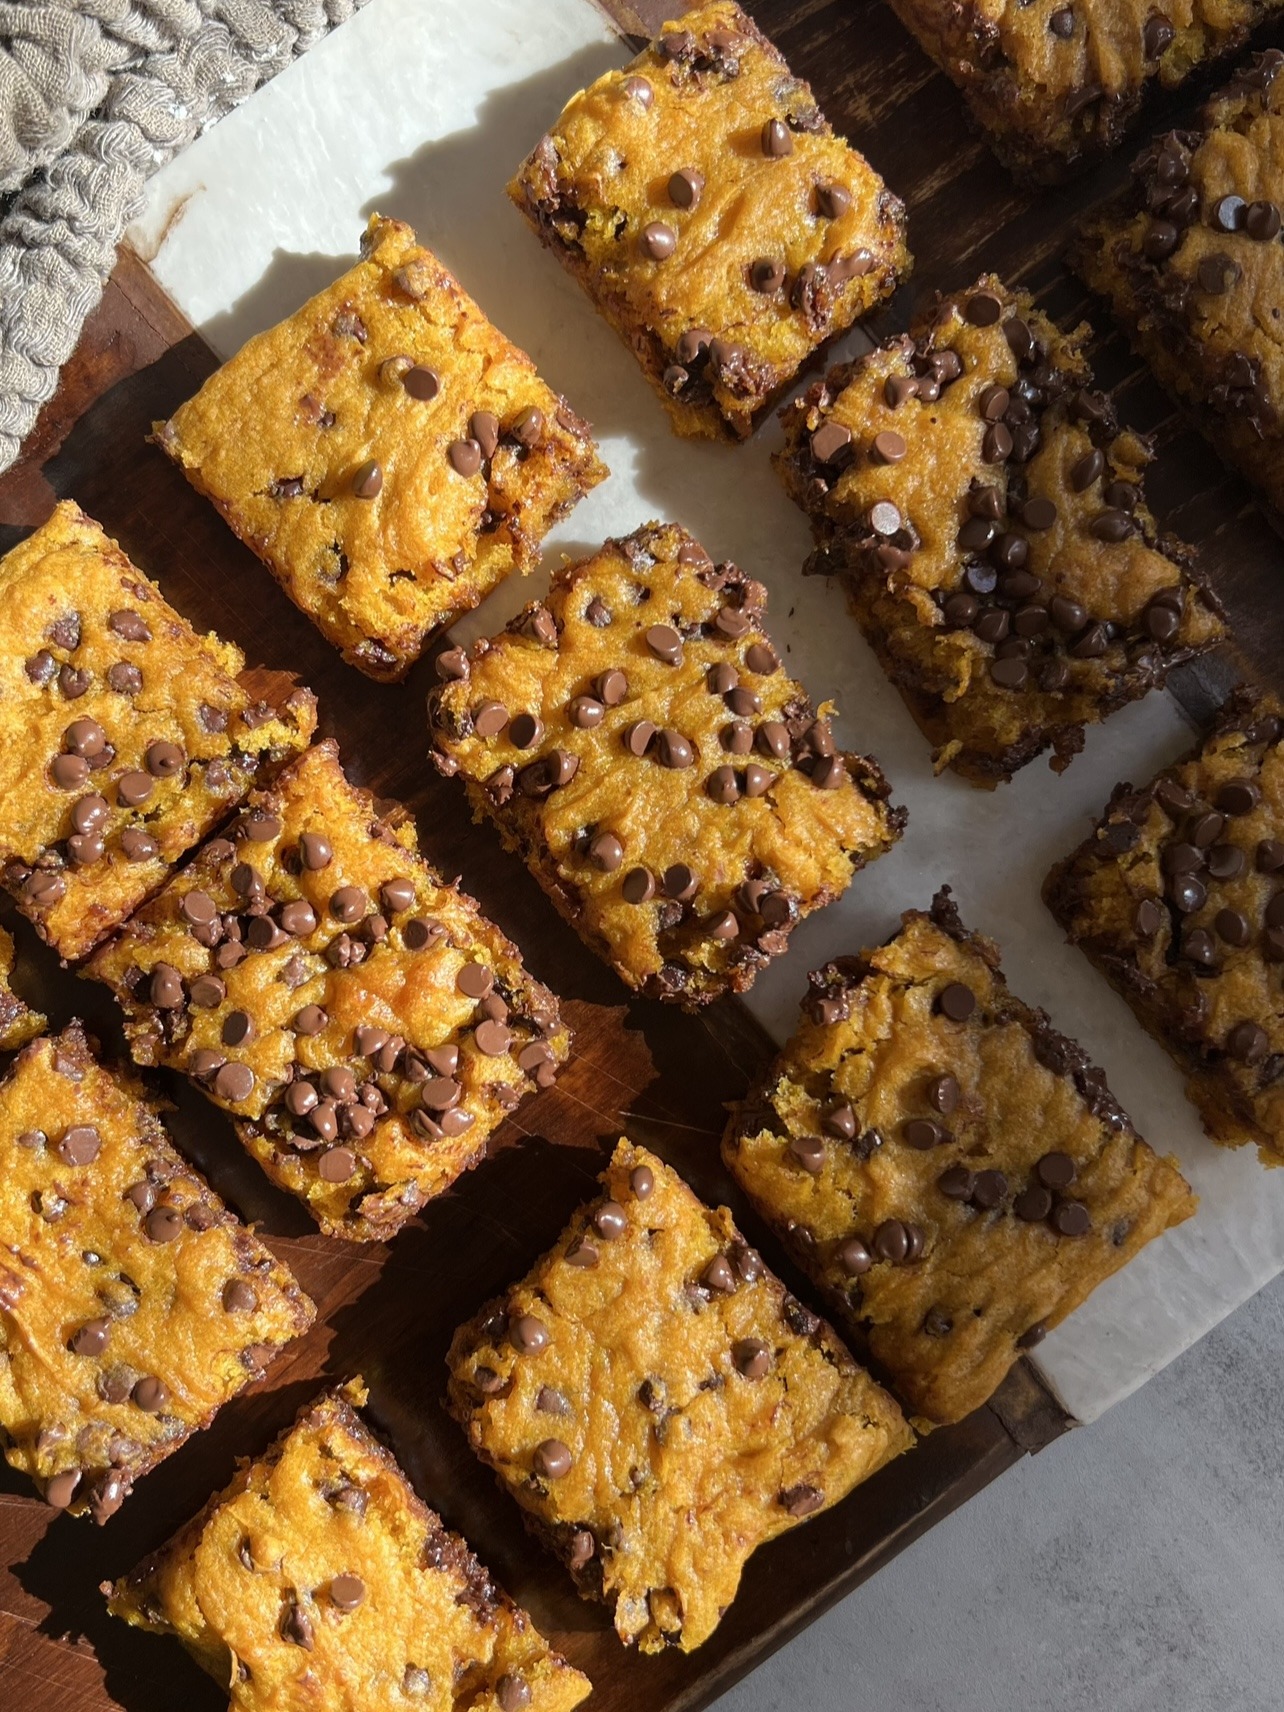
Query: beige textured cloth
point(94, 96)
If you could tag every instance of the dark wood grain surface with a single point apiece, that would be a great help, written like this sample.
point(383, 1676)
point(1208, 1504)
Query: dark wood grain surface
point(389, 1312)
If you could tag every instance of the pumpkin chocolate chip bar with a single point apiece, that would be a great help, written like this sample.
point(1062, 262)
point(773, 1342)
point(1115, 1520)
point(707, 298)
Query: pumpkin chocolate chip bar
point(985, 512)
point(129, 736)
point(18, 1022)
point(1176, 899)
point(950, 1171)
point(714, 218)
point(318, 1578)
point(1054, 84)
point(364, 1023)
point(661, 1406)
point(635, 737)
point(133, 1303)
point(1191, 263)
point(387, 452)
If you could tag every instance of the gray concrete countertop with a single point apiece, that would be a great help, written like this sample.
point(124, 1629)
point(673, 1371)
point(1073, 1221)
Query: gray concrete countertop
point(1136, 1565)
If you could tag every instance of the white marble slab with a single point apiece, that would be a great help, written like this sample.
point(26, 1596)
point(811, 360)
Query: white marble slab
point(422, 111)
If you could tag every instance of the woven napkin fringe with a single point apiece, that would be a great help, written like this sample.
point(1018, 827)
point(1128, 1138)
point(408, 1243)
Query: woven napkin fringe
point(95, 95)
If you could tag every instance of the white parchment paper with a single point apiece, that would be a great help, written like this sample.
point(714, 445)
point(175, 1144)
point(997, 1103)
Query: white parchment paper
point(422, 112)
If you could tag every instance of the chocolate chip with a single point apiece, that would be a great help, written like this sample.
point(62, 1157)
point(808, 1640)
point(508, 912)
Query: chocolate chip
point(1157, 36)
point(234, 1083)
point(239, 1297)
point(165, 987)
point(1160, 240)
point(983, 309)
point(665, 643)
point(1071, 1218)
point(884, 518)
point(129, 625)
point(802, 1500)
point(43, 890)
point(1148, 918)
point(809, 1152)
point(525, 730)
point(674, 751)
point(657, 241)
point(552, 1459)
point(133, 789)
point(465, 457)
point(512, 1691)
point(61, 1488)
point(73, 681)
point(922, 1134)
point(610, 1220)
point(150, 1394)
point(69, 772)
point(751, 1358)
point(638, 886)
point(679, 882)
point(685, 187)
point(831, 444)
point(1262, 221)
point(164, 760)
point(1248, 1042)
point(606, 852)
point(889, 447)
point(420, 932)
point(346, 1592)
point(996, 445)
point(892, 1242)
point(988, 1189)
point(79, 1145)
point(832, 201)
point(1033, 1204)
point(956, 1001)
point(348, 904)
point(367, 480)
point(639, 90)
point(1056, 1170)
point(163, 1224)
point(776, 140)
point(1238, 796)
point(1061, 23)
point(92, 1338)
point(956, 1183)
point(474, 980)
point(336, 1164)
point(528, 1334)
point(1087, 470)
point(493, 1038)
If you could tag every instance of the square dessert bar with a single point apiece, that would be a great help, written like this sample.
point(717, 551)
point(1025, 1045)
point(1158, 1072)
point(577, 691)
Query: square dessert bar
point(317, 1578)
point(1053, 85)
point(387, 453)
point(952, 1173)
point(1191, 263)
point(128, 737)
point(985, 512)
point(636, 739)
point(18, 1022)
point(714, 218)
point(661, 1406)
point(1178, 899)
point(364, 1023)
point(133, 1304)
